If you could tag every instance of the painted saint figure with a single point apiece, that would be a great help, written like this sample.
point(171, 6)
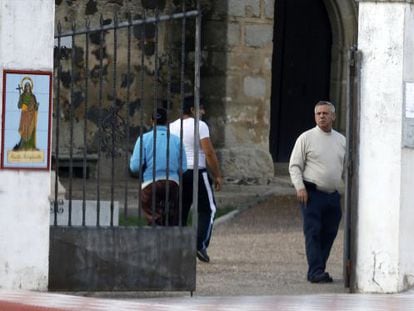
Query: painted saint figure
point(28, 117)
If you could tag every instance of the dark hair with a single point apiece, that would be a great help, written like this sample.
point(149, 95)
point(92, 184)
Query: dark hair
point(189, 103)
point(160, 117)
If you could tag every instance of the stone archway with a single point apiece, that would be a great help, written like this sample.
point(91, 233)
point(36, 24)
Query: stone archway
point(343, 16)
point(310, 60)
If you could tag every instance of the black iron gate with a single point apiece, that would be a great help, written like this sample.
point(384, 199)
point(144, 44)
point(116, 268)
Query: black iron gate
point(109, 79)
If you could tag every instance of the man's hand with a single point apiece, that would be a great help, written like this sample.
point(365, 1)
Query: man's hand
point(302, 196)
point(218, 181)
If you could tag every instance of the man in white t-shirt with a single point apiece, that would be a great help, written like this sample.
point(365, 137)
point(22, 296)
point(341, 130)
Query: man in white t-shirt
point(316, 169)
point(207, 158)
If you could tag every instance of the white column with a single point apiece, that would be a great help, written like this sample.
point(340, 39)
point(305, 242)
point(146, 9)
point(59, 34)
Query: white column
point(385, 228)
point(26, 43)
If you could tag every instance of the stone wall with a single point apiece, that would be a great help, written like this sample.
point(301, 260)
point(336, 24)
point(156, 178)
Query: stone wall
point(236, 83)
point(235, 77)
point(117, 108)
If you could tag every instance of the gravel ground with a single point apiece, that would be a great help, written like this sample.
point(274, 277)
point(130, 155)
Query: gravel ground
point(261, 251)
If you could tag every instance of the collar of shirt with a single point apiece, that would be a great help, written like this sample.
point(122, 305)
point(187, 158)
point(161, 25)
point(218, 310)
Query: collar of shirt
point(161, 128)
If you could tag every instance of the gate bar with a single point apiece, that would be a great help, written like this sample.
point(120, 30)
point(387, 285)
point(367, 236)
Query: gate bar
point(57, 110)
point(154, 112)
point(169, 77)
point(114, 80)
point(141, 114)
point(85, 125)
point(149, 20)
point(128, 104)
point(182, 71)
point(71, 113)
point(100, 105)
point(197, 49)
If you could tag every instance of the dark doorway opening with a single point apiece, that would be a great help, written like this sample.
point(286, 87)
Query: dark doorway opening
point(301, 70)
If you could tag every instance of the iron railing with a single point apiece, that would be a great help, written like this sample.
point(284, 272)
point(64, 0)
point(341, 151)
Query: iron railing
point(93, 104)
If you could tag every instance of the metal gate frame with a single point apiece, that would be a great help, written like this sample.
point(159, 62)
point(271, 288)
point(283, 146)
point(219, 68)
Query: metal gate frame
point(352, 163)
point(84, 258)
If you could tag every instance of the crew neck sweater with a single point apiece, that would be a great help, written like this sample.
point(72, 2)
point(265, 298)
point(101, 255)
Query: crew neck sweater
point(318, 157)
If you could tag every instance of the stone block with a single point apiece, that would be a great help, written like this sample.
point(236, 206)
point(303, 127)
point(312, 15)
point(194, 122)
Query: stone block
point(243, 60)
point(258, 35)
point(233, 34)
point(246, 164)
point(234, 86)
point(269, 8)
point(244, 8)
point(254, 86)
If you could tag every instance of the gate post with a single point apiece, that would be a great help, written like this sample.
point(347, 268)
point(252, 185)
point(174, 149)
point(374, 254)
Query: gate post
point(385, 253)
point(26, 36)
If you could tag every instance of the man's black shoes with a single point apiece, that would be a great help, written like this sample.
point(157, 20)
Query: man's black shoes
point(321, 278)
point(202, 255)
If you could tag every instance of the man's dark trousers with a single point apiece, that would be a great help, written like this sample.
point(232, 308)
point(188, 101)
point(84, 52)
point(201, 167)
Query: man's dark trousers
point(206, 205)
point(321, 218)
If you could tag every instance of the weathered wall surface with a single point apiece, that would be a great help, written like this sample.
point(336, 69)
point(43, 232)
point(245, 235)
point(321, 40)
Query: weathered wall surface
point(384, 230)
point(377, 253)
point(235, 76)
point(118, 100)
point(122, 259)
point(26, 36)
point(236, 82)
point(119, 95)
point(406, 278)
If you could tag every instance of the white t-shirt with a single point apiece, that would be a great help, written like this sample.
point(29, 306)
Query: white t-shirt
point(188, 139)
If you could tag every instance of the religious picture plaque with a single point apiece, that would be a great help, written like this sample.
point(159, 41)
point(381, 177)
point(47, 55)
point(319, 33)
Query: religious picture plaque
point(26, 120)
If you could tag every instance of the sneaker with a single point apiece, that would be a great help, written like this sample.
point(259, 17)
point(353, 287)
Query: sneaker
point(202, 255)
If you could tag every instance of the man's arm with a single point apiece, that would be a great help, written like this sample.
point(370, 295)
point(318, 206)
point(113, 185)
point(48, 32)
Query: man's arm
point(135, 158)
point(296, 167)
point(184, 159)
point(212, 162)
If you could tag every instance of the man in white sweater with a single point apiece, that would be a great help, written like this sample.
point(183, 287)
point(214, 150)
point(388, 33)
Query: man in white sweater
point(316, 170)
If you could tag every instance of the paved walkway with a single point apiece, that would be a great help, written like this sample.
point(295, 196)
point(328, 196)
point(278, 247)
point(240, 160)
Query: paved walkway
point(30, 301)
point(257, 263)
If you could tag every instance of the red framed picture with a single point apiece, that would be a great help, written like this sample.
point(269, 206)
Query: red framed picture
point(26, 120)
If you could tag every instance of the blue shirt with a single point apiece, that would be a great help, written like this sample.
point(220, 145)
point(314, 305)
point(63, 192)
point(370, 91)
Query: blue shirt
point(161, 156)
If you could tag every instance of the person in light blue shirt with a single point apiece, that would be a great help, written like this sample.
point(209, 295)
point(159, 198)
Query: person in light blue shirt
point(166, 162)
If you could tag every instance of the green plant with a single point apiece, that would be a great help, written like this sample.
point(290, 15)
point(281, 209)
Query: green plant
point(130, 221)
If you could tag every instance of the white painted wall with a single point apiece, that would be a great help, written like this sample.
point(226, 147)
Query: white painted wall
point(407, 170)
point(386, 197)
point(26, 42)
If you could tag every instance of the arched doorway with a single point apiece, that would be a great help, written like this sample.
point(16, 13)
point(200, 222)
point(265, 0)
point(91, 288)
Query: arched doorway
point(301, 70)
point(329, 30)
